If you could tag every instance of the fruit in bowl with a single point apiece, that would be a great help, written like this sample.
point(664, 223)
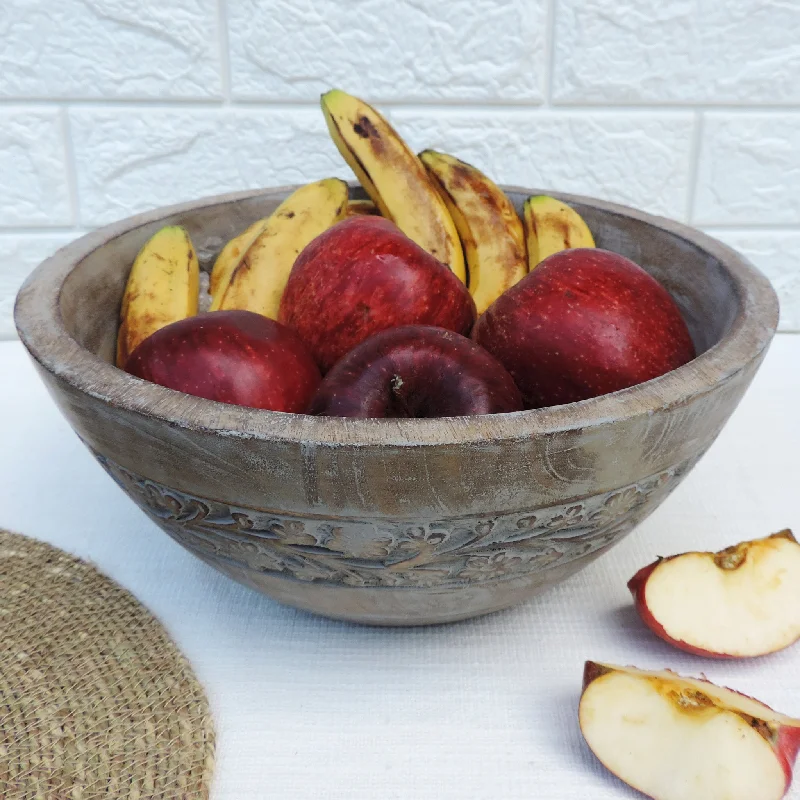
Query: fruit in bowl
point(363, 276)
point(396, 521)
point(162, 288)
point(585, 322)
point(393, 177)
point(488, 225)
point(416, 371)
point(250, 273)
point(438, 244)
point(399, 520)
point(237, 357)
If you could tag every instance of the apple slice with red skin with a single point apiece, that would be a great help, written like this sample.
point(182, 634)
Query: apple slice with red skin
point(676, 738)
point(237, 357)
point(740, 602)
point(416, 371)
point(362, 276)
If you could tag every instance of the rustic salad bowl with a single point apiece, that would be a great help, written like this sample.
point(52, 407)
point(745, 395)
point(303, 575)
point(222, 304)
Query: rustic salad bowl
point(397, 522)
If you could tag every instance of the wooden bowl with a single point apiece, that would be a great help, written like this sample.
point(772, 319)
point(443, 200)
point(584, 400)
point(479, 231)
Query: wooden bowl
point(397, 522)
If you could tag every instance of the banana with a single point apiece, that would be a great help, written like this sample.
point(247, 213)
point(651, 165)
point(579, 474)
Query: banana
point(231, 255)
point(392, 176)
point(487, 222)
point(258, 278)
point(356, 208)
point(162, 287)
point(552, 226)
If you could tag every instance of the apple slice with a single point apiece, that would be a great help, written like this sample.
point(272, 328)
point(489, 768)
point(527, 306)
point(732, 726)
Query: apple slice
point(742, 601)
point(676, 738)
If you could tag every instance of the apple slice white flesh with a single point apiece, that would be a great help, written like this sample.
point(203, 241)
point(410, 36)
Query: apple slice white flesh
point(743, 601)
point(676, 738)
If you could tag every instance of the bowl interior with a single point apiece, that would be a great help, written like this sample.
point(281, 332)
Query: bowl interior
point(704, 290)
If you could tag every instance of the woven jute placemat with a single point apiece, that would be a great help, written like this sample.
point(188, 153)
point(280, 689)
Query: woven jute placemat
point(96, 701)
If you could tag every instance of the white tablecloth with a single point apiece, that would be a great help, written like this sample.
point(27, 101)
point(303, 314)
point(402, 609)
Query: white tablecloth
point(309, 708)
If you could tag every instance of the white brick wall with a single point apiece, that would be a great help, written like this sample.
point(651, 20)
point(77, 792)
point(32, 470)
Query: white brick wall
point(128, 160)
point(677, 51)
point(33, 168)
point(687, 108)
point(406, 50)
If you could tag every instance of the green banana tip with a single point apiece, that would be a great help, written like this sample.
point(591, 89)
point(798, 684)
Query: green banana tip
point(536, 199)
point(331, 94)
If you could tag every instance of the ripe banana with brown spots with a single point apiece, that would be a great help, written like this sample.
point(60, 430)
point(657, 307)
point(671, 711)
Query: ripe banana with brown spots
point(162, 288)
point(253, 279)
point(231, 255)
point(487, 222)
point(392, 176)
point(552, 226)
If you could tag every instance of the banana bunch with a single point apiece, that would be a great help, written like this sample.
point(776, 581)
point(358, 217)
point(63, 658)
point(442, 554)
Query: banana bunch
point(448, 207)
point(552, 226)
point(487, 222)
point(231, 256)
point(251, 271)
point(162, 287)
point(392, 176)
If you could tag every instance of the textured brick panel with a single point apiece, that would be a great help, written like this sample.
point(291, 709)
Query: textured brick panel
point(637, 159)
point(777, 255)
point(404, 50)
point(19, 255)
point(33, 173)
point(706, 51)
point(132, 160)
point(749, 171)
point(109, 48)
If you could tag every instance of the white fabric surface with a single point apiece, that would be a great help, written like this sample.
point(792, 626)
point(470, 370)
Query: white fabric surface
point(309, 708)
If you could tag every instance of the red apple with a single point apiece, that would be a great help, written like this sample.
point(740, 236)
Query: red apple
point(583, 323)
point(363, 276)
point(676, 738)
point(234, 357)
point(416, 371)
point(743, 601)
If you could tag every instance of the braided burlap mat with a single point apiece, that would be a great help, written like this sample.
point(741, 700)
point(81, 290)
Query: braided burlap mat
point(95, 699)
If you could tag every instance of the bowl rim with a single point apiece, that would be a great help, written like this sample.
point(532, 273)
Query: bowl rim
point(37, 315)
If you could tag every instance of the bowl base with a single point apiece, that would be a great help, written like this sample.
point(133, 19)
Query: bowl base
point(401, 607)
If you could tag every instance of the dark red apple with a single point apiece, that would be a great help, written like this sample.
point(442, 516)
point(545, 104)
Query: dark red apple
point(234, 357)
point(583, 323)
point(416, 371)
point(363, 276)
